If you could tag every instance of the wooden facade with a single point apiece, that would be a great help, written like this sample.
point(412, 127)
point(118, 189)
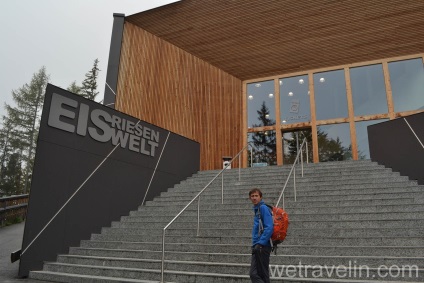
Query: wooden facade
point(185, 66)
point(168, 87)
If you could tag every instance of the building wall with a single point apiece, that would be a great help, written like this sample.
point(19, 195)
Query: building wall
point(168, 87)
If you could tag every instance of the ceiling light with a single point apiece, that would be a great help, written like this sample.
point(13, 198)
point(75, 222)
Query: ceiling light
point(258, 85)
point(301, 81)
point(271, 95)
point(309, 92)
point(281, 82)
point(290, 93)
point(322, 80)
point(267, 116)
point(250, 97)
point(284, 121)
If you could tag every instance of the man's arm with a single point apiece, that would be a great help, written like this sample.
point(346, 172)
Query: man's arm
point(268, 225)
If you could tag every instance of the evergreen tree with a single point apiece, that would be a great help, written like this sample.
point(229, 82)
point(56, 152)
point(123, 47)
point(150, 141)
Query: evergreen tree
point(24, 119)
point(89, 85)
point(12, 182)
point(265, 141)
point(74, 88)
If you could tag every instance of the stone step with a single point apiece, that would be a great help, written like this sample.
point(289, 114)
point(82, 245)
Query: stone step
point(283, 259)
point(292, 232)
point(245, 215)
point(283, 249)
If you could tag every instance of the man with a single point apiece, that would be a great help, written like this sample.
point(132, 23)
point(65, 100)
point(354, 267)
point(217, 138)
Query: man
point(263, 226)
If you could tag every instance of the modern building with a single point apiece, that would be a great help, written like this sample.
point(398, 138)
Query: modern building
point(226, 72)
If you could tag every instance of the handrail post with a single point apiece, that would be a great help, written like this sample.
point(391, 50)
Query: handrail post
point(163, 257)
point(198, 216)
point(239, 165)
point(294, 181)
point(307, 152)
point(301, 158)
point(222, 188)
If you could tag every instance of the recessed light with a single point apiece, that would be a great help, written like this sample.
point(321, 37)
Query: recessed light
point(322, 80)
point(301, 81)
point(290, 93)
point(284, 121)
point(271, 95)
point(267, 116)
point(250, 97)
point(281, 82)
point(258, 85)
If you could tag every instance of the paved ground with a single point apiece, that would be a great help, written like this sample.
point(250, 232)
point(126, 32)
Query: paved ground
point(10, 241)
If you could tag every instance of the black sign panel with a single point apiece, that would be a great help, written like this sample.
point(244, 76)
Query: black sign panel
point(398, 144)
point(93, 165)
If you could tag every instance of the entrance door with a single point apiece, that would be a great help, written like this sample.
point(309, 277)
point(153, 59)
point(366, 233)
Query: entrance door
point(292, 140)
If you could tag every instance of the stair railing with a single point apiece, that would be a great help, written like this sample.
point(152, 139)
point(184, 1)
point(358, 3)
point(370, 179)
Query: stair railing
point(293, 170)
point(198, 202)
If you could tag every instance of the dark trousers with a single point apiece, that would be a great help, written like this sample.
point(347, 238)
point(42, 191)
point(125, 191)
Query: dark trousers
point(259, 266)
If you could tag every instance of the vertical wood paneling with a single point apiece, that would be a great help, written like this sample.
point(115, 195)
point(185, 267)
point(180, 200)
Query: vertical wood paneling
point(166, 86)
point(278, 134)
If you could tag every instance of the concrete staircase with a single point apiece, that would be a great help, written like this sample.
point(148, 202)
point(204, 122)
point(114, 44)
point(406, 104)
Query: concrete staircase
point(353, 221)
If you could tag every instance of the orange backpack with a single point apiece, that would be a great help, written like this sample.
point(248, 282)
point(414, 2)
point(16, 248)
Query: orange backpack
point(281, 223)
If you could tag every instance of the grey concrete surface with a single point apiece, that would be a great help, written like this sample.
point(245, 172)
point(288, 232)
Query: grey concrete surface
point(10, 241)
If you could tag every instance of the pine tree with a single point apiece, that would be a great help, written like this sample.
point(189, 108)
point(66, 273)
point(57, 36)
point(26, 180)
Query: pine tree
point(24, 119)
point(89, 85)
point(265, 141)
point(12, 181)
point(74, 88)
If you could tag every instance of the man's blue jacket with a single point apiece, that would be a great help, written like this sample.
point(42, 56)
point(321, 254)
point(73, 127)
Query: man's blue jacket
point(262, 237)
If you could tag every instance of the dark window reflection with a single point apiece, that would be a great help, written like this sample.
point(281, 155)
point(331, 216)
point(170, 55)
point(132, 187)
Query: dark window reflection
point(407, 82)
point(362, 137)
point(290, 145)
point(260, 104)
point(294, 100)
point(334, 142)
point(330, 95)
point(264, 148)
point(368, 90)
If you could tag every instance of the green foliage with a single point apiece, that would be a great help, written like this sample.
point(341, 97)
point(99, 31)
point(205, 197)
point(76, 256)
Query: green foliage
point(74, 88)
point(20, 129)
point(264, 142)
point(89, 85)
point(12, 182)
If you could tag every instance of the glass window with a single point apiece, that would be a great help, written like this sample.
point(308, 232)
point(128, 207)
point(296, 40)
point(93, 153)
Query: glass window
point(290, 145)
point(334, 142)
point(362, 137)
point(294, 100)
point(407, 82)
point(264, 148)
point(368, 90)
point(330, 95)
point(260, 104)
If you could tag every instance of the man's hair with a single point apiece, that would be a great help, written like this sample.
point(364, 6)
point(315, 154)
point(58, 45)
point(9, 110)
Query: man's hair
point(255, 190)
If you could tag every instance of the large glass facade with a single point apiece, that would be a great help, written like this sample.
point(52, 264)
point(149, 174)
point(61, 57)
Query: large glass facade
point(294, 100)
point(407, 82)
point(362, 137)
point(334, 142)
point(330, 95)
point(368, 90)
point(260, 104)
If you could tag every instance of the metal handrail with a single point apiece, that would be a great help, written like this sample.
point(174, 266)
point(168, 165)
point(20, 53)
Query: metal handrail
point(198, 203)
point(293, 170)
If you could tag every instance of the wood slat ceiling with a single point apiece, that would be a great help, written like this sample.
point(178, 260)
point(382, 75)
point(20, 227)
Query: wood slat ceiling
point(259, 38)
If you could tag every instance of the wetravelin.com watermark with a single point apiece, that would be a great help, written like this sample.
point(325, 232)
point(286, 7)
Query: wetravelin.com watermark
point(353, 270)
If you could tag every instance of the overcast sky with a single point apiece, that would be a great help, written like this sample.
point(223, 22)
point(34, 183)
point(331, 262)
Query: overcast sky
point(65, 36)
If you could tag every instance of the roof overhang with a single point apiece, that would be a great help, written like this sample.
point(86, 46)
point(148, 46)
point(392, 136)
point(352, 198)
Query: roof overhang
point(259, 38)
